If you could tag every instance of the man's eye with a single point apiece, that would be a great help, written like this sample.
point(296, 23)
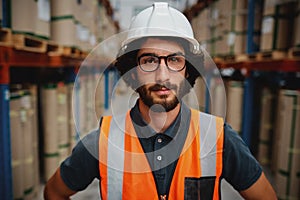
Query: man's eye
point(150, 60)
point(174, 59)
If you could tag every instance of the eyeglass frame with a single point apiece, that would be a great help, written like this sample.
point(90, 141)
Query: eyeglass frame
point(159, 61)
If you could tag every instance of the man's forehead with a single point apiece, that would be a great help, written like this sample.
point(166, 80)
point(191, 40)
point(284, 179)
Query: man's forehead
point(161, 45)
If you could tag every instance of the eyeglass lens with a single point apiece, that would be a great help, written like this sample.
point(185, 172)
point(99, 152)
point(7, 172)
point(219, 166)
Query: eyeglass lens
point(174, 62)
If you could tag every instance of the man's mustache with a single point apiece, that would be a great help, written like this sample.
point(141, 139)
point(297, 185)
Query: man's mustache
point(167, 85)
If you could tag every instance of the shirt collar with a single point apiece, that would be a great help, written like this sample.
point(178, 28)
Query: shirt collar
point(145, 131)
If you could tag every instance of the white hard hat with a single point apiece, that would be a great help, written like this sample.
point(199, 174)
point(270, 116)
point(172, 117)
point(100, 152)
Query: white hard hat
point(161, 20)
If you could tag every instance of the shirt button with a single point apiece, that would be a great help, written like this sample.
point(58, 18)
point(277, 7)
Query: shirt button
point(159, 140)
point(159, 158)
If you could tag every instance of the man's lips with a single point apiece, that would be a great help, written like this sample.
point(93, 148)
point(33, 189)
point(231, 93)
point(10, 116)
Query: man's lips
point(162, 91)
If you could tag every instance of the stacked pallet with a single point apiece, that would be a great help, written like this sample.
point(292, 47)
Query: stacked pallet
point(50, 133)
point(222, 27)
point(266, 127)
point(203, 27)
point(200, 90)
point(294, 51)
point(286, 157)
point(24, 136)
point(217, 94)
point(277, 23)
point(72, 23)
point(36, 22)
point(235, 96)
point(229, 27)
point(58, 126)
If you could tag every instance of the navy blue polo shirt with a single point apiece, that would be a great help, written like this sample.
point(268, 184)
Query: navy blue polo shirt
point(240, 168)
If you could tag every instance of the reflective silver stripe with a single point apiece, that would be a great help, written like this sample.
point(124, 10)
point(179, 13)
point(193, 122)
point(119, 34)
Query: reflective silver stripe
point(115, 158)
point(208, 144)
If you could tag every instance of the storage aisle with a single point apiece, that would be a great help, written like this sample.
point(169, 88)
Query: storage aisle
point(37, 63)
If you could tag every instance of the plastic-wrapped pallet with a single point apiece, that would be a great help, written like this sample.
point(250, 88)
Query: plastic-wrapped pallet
point(235, 95)
point(33, 113)
point(201, 26)
point(62, 121)
point(218, 97)
point(63, 30)
point(62, 8)
point(229, 27)
point(42, 18)
point(72, 127)
point(107, 28)
point(90, 100)
point(27, 147)
point(17, 138)
point(49, 110)
point(21, 19)
point(83, 95)
point(266, 127)
point(287, 145)
point(63, 27)
point(296, 36)
point(200, 90)
point(276, 25)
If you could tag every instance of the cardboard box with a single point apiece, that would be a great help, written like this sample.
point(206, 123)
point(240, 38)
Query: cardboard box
point(17, 156)
point(201, 26)
point(72, 128)
point(62, 8)
point(62, 121)
point(50, 133)
point(217, 97)
point(288, 135)
point(235, 96)
point(42, 18)
point(266, 128)
point(277, 23)
point(296, 31)
point(23, 14)
point(232, 14)
point(63, 31)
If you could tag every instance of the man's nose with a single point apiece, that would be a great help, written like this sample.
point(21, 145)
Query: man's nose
point(162, 73)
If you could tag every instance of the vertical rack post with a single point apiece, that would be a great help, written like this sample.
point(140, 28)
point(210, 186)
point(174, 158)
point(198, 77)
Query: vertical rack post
point(5, 142)
point(249, 81)
point(6, 13)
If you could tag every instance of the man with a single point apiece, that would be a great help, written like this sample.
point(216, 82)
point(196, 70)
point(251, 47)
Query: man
point(160, 149)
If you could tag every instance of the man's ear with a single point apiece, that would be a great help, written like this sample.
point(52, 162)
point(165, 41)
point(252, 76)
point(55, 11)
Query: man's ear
point(186, 74)
point(133, 76)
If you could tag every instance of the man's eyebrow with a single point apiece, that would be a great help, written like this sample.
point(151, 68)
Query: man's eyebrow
point(148, 54)
point(154, 54)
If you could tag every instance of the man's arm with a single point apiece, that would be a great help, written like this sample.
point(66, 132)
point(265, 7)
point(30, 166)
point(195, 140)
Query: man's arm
point(56, 189)
point(261, 189)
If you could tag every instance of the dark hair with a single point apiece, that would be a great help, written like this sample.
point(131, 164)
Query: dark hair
point(127, 59)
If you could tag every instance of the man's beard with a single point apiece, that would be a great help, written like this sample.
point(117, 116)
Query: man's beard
point(163, 104)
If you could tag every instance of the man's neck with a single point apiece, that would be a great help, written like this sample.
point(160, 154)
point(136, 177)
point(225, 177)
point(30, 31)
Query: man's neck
point(159, 121)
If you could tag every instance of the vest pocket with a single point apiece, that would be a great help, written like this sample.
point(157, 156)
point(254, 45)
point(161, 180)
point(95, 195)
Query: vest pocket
point(199, 188)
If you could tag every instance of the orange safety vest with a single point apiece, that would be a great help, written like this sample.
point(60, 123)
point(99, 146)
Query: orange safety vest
point(125, 172)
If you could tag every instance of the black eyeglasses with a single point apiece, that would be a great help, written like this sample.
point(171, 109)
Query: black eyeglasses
point(150, 62)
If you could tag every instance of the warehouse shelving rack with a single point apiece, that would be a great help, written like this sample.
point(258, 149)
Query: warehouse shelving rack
point(251, 66)
point(10, 57)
